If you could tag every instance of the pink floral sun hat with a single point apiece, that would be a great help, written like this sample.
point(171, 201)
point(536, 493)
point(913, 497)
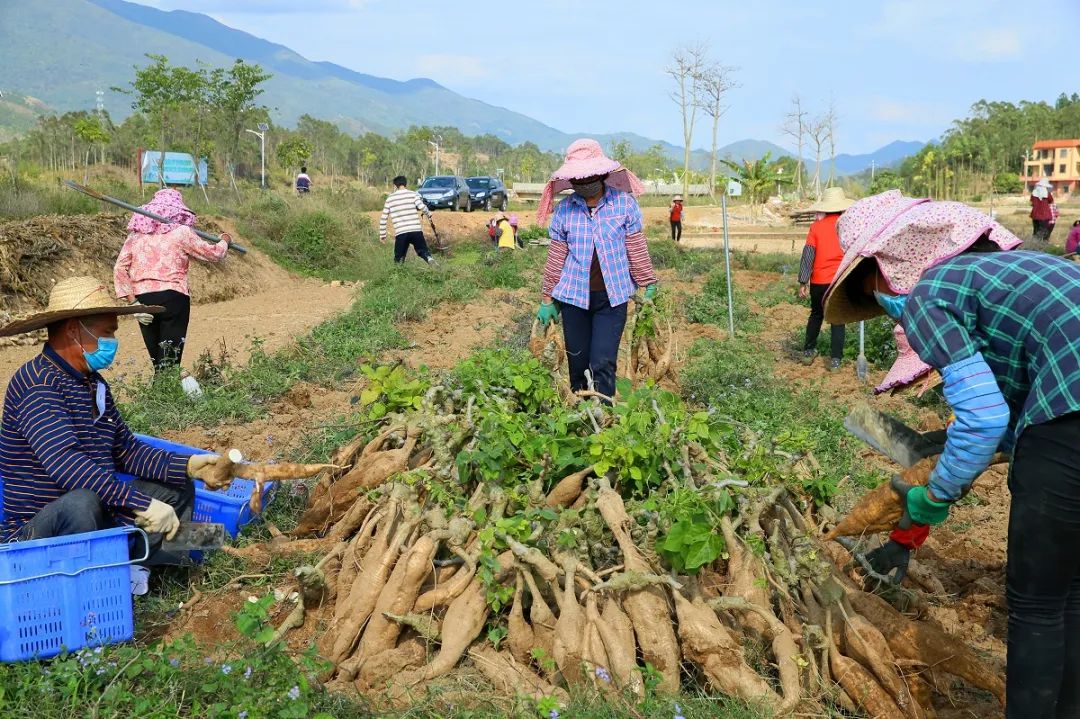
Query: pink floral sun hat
point(905, 236)
point(585, 158)
point(169, 204)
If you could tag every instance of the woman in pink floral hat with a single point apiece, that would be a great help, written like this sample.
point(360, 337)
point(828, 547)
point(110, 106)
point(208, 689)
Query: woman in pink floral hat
point(596, 260)
point(1002, 327)
point(152, 268)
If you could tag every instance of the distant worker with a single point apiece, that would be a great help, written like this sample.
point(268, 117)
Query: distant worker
point(517, 239)
point(63, 440)
point(1072, 242)
point(1042, 214)
point(401, 207)
point(504, 233)
point(820, 259)
point(675, 212)
point(153, 268)
point(303, 182)
point(596, 260)
point(491, 232)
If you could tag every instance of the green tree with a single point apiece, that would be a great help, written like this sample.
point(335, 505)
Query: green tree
point(758, 179)
point(1008, 183)
point(292, 151)
point(886, 180)
point(232, 94)
point(89, 129)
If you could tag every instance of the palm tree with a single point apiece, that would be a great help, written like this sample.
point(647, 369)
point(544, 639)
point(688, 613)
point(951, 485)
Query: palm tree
point(757, 178)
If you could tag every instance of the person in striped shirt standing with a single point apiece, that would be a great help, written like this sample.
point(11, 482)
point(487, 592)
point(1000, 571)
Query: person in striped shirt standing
point(62, 439)
point(401, 207)
point(596, 260)
point(1002, 327)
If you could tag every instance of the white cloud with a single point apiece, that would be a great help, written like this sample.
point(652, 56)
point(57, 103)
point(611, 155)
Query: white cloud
point(907, 112)
point(963, 30)
point(447, 67)
point(990, 44)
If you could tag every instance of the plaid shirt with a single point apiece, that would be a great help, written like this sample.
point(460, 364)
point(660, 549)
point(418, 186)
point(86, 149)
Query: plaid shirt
point(616, 217)
point(1021, 310)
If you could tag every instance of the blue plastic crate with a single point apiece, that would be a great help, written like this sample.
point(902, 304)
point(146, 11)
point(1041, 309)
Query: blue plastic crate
point(64, 593)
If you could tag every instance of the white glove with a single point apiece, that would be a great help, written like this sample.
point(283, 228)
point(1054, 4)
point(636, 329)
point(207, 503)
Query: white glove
point(158, 518)
point(143, 318)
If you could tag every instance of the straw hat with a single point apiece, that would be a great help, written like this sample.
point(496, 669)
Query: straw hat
point(677, 198)
point(76, 297)
point(832, 199)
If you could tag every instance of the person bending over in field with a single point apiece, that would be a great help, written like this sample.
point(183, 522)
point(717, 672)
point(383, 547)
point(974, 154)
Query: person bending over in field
point(1002, 327)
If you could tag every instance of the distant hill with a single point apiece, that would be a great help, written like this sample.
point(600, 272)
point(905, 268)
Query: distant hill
point(103, 40)
point(888, 156)
point(18, 113)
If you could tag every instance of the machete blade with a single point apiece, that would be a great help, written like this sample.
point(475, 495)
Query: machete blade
point(891, 437)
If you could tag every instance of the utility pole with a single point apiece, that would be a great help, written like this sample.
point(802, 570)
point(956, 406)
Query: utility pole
point(871, 170)
point(437, 144)
point(261, 134)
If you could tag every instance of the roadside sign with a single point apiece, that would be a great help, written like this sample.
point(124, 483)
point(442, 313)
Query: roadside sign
point(734, 188)
point(179, 168)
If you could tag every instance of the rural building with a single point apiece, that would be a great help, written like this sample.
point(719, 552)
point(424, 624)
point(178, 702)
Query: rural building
point(1058, 161)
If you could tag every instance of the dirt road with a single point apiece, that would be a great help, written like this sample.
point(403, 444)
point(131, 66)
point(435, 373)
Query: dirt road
point(275, 317)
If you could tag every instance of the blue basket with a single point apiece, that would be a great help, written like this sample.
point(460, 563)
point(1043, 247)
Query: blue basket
point(65, 593)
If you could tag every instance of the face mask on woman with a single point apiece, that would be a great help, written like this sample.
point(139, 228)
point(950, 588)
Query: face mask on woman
point(589, 187)
point(105, 353)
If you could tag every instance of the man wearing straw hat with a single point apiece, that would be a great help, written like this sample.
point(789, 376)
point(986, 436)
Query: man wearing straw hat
point(62, 439)
point(1003, 329)
point(820, 260)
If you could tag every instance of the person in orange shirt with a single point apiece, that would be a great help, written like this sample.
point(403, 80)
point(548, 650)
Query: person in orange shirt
point(820, 259)
point(675, 212)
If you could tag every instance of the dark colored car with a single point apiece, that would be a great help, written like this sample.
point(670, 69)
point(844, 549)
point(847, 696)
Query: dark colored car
point(446, 191)
point(487, 192)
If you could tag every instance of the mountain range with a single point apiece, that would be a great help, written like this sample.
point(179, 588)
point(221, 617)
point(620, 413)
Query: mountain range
point(103, 40)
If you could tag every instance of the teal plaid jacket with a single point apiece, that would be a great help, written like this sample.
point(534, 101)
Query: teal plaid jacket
point(1021, 310)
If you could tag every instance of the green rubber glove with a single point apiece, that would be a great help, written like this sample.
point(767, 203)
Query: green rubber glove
point(547, 313)
point(918, 507)
point(650, 292)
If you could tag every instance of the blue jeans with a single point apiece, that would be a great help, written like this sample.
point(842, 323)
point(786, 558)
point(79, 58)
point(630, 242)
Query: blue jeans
point(592, 341)
point(81, 510)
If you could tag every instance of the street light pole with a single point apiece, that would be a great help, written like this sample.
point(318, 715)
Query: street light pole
point(261, 134)
point(436, 144)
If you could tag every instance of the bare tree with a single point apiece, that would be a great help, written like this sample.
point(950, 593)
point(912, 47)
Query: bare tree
point(795, 127)
point(817, 129)
point(685, 69)
point(715, 82)
point(830, 120)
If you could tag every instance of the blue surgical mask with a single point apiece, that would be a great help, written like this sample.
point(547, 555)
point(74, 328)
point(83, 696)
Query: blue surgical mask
point(105, 353)
point(892, 304)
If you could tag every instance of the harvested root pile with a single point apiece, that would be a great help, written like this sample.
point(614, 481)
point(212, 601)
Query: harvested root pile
point(468, 531)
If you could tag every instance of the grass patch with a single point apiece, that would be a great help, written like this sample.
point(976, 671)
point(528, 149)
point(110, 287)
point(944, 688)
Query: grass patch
point(880, 344)
point(736, 379)
point(710, 306)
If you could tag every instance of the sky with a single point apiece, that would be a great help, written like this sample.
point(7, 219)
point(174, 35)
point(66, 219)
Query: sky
point(894, 69)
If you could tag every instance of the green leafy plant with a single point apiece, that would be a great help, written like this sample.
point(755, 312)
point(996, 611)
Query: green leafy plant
point(390, 389)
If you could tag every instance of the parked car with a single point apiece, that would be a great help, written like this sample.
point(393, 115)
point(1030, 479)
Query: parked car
point(487, 192)
point(446, 191)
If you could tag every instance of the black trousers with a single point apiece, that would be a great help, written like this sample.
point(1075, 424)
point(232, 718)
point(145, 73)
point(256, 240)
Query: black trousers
point(1043, 575)
point(165, 336)
point(676, 230)
point(1041, 229)
point(416, 239)
point(81, 510)
point(592, 341)
point(817, 316)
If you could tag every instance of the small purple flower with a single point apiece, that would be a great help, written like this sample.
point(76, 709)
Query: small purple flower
point(247, 673)
point(270, 439)
point(242, 714)
point(174, 662)
point(603, 675)
point(678, 712)
point(553, 714)
point(294, 693)
point(208, 661)
point(226, 669)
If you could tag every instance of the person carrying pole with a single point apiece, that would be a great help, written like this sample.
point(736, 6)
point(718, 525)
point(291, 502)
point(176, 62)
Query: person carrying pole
point(1002, 327)
point(400, 208)
point(596, 260)
point(820, 258)
point(152, 268)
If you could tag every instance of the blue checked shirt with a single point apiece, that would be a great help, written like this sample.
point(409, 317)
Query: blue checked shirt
point(61, 431)
point(1005, 329)
point(617, 217)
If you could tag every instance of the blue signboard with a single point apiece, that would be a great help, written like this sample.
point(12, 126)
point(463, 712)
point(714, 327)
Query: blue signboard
point(179, 168)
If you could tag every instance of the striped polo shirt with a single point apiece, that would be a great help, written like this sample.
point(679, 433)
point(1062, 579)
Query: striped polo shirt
point(401, 207)
point(61, 431)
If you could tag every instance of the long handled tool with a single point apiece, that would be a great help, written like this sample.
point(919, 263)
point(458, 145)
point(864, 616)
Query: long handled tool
point(860, 363)
point(138, 210)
